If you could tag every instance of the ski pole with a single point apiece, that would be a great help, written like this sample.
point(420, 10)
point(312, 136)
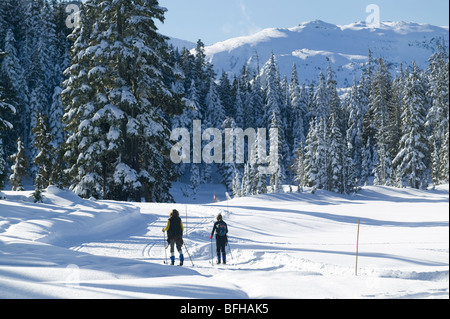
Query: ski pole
point(185, 247)
point(165, 248)
point(229, 248)
point(212, 256)
point(186, 222)
point(357, 248)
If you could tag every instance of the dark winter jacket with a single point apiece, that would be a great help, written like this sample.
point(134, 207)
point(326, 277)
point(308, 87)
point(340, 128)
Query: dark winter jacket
point(174, 228)
point(220, 228)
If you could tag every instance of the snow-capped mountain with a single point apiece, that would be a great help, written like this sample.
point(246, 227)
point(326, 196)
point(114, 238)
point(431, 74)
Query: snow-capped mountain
point(312, 44)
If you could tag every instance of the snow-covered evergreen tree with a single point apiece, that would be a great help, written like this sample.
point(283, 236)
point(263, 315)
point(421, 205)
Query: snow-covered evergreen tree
point(334, 101)
point(273, 95)
point(395, 111)
point(411, 159)
point(444, 168)
point(79, 96)
point(226, 95)
point(321, 101)
point(379, 101)
point(19, 167)
point(246, 181)
point(44, 158)
point(257, 102)
point(239, 115)
point(299, 168)
point(55, 118)
point(355, 129)
point(278, 177)
point(5, 108)
point(215, 112)
point(336, 181)
point(236, 184)
point(299, 106)
point(15, 88)
point(310, 163)
point(437, 118)
point(122, 135)
point(3, 168)
point(227, 170)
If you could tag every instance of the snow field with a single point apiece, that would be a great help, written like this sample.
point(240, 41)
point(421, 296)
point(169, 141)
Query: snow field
point(285, 245)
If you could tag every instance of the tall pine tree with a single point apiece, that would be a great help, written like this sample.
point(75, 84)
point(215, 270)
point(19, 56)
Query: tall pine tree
point(410, 162)
point(122, 135)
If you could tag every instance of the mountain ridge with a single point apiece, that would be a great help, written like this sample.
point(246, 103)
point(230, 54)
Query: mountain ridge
point(312, 45)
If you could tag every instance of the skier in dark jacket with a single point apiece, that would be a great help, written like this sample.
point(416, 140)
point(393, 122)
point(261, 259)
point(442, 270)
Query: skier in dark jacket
point(175, 231)
point(221, 230)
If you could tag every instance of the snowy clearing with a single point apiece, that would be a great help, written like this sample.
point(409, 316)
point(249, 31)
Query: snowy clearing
point(286, 245)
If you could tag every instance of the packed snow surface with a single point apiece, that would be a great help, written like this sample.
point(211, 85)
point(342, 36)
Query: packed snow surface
point(286, 245)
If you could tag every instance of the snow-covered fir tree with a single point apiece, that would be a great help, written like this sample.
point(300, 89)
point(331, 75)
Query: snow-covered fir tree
point(56, 113)
point(379, 101)
point(354, 135)
point(34, 36)
point(336, 181)
point(299, 168)
point(278, 177)
point(19, 167)
point(321, 101)
point(438, 114)
point(227, 170)
point(3, 166)
point(120, 139)
point(273, 100)
point(310, 161)
point(257, 102)
point(5, 109)
point(444, 167)
point(44, 159)
point(226, 95)
point(215, 112)
point(410, 162)
point(236, 184)
point(299, 106)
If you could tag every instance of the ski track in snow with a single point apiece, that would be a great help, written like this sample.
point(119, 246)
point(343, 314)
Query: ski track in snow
point(283, 246)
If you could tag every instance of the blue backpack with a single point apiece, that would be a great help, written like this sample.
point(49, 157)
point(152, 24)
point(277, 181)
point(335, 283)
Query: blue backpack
point(221, 229)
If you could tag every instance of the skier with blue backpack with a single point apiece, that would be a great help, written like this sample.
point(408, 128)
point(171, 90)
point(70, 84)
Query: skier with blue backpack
point(221, 230)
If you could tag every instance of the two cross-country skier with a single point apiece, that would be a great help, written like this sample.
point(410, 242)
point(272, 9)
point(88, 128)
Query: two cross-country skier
point(221, 230)
point(175, 231)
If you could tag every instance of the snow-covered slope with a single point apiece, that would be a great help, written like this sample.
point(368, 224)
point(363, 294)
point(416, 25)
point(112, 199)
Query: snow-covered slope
point(285, 245)
point(180, 44)
point(312, 44)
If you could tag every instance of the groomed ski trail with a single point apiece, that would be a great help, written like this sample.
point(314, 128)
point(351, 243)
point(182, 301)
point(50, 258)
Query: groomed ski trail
point(145, 241)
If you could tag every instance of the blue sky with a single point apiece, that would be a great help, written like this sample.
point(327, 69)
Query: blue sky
point(218, 20)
